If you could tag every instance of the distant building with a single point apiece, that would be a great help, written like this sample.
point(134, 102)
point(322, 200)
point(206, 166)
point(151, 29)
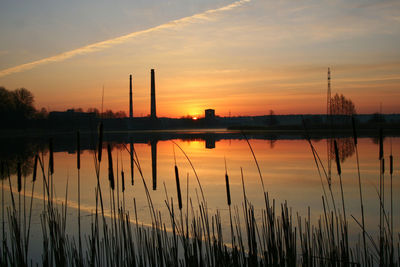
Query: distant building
point(71, 119)
point(209, 114)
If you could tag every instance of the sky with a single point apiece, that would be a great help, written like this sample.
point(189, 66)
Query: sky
point(243, 57)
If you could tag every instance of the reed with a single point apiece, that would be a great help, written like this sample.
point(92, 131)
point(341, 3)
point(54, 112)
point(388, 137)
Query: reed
point(353, 123)
point(51, 158)
point(178, 187)
point(228, 200)
point(122, 183)
point(51, 168)
point(4, 248)
point(19, 176)
point(344, 224)
point(110, 168)
point(391, 207)
point(381, 197)
point(78, 167)
point(100, 144)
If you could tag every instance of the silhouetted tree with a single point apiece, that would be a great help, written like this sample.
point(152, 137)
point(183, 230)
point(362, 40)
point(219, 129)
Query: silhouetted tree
point(23, 100)
point(340, 105)
point(342, 108)
point(93, 110)
point(108, 114)
point(6, 104)
point(16, 106)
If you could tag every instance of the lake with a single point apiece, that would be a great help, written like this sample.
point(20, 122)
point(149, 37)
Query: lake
point(288, 168)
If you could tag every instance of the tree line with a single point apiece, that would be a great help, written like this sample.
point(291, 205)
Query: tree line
point(17, 108)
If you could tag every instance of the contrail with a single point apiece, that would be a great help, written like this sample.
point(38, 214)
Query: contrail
point(121, 39)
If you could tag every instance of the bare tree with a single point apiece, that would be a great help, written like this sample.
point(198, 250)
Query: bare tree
point(340, 105)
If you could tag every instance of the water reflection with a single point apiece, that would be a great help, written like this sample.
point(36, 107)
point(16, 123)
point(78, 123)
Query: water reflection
point(14, 151)
point(131, 156)
point(153, 144)
point(346, 148)
point(287, 167)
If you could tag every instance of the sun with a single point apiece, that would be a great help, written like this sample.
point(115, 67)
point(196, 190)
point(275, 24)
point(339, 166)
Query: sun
point(194, 118)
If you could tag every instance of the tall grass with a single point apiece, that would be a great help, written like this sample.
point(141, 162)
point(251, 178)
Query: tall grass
point(272, 236)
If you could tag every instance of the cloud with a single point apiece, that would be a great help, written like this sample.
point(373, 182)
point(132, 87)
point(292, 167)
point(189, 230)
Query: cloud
point(121, 39)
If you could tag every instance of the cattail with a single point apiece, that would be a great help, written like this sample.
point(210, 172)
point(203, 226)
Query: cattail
point(178, 187)
point(391, 164)
point(339, 170)
point(78, 151)
point(51, 159)
point(100, 145)
point(110, 167)
point(19, 174)
point(2, 170)
point(228, 192)
point(383, 166)
point(123, 181)
point(380, 143)
point(353, 123)
point(35, 168)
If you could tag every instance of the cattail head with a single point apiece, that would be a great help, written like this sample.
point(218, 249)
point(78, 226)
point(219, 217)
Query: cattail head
point(78, 151)
point(391, 164)
point(353, 123)
point(380, 143)
point(228, 192)
point(178, 187)
point(110, 167)
point(100, 145)
point(19, 176)
point(35, 168)
point(123, 181)
point(339, 170)
point(51, 159)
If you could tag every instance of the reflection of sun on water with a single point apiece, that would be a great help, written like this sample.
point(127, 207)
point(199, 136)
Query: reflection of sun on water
point(196, 144)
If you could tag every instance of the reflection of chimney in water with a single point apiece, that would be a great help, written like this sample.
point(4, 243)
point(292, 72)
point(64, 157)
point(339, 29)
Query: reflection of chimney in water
point(132, 150)
point(153, 96)
point(130, 97)
point(153, 144)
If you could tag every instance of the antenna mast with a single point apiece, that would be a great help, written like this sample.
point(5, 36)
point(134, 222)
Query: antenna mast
point(328, 99)
point(329, 120)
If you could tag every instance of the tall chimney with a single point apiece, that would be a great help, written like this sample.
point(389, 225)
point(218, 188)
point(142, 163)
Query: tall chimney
point(153, 96)
point(130, 97)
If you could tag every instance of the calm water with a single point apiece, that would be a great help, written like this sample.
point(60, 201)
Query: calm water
point(287, 166)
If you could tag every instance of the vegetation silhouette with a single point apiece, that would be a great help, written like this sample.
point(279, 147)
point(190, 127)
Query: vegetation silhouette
point(16, 106)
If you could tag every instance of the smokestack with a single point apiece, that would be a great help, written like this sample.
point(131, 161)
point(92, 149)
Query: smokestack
point(153, 96)
point(130, 97)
